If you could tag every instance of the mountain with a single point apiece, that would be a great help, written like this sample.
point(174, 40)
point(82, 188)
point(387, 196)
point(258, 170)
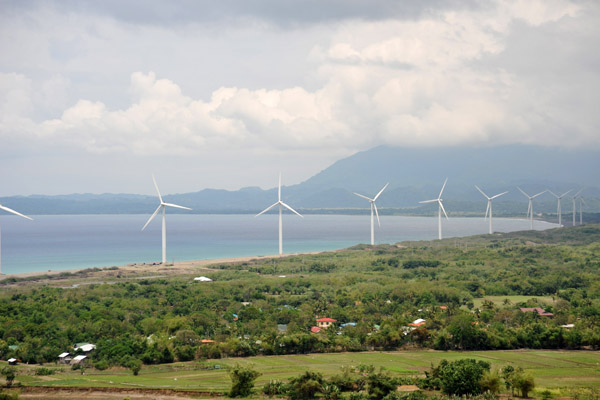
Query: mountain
point(414, 174)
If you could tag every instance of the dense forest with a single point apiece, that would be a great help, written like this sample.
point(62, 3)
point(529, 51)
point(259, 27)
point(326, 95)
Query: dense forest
point(373, 292)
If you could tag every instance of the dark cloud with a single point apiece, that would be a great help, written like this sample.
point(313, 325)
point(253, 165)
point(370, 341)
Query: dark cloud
point(278, 12)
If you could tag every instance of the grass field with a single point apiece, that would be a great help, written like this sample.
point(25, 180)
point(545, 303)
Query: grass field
point(499, 300)
point(559, 371)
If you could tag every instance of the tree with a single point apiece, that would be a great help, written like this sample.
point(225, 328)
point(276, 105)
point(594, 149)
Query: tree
point(10, 373)
point(524, 383)
point(242, 381)
point(462, 377)
point(306, 386)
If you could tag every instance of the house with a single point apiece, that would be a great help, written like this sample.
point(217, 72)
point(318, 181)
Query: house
point(85, 347)
point(418, 322)
point(78, 359)
point(315, 329)
point(207, 341)
point(64, 358)
point(539, 311)
point(282, 328)
point(325, 323)
point(12, 361)
point(202, 279)
point(348, 324)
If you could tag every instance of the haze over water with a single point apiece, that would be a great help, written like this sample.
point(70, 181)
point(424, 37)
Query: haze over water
point(63, 242)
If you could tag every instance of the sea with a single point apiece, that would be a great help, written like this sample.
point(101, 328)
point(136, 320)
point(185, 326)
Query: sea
point(66, 242)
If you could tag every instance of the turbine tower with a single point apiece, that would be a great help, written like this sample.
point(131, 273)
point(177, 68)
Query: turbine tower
point(558, 207)
point(581, 203)
point(489, 205)
point(373, 207)
point(440, 209)
point(12, 212)
point(574, 197)
point(281, 204)
point(530, 208)
point(163, 206)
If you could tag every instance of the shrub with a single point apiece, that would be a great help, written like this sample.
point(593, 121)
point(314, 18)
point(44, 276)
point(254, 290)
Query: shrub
point(10, 373)
point(43, 371)
point(274, 388)
point(101, 365)
point(306, 386)
point(242, 381)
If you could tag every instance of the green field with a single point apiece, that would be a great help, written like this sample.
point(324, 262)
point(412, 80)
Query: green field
point(499, 301)
point(558, 371)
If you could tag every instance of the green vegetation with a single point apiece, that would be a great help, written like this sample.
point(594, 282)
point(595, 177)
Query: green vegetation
point(467, 290)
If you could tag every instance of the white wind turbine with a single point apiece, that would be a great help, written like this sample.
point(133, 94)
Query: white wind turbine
point(373, 207)
point(558, 207)
point(163, 205)
point(489, 205)
point(12, 212)
point(581, 203)
point(440, 209)
point(281, 204)
point(574, 197)
point(530, 208)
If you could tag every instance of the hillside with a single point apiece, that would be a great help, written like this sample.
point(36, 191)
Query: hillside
point(413, 174)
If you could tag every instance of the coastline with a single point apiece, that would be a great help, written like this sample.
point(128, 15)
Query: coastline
point(135, 270)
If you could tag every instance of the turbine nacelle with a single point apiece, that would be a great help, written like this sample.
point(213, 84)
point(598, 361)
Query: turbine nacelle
point(281, 205)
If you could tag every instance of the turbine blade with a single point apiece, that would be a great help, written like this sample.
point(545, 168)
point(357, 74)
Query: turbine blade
point(176, 206)
point(377, 214)
point(481, 191)
point(487, 210)
point(442, 207)
point(529, 209)
point(498, 195)
point(157, 191)
point(10, 210)
point(152, 217)
point(521, 190)
point(552, 193)
point(364, 197)
point(267, 209)
point(533, 197)
point(578, 193)
point(386, 185)
point(566, 193)
point(291, 209)
point(428, 201)
point(443, 186)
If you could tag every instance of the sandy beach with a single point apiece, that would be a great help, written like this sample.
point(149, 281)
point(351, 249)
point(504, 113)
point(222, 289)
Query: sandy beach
point(97, 275)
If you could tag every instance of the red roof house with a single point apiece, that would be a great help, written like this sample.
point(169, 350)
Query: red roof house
point(315, 329)
point(325, 323)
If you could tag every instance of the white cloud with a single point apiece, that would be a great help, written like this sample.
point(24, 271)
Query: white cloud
point(448, 77)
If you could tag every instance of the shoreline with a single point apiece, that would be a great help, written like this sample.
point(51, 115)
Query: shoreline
point(140, 269)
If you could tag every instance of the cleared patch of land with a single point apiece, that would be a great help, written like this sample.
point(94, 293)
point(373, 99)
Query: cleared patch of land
point(552, 370)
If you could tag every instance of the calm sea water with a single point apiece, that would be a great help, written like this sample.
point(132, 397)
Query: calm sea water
point(63, 242)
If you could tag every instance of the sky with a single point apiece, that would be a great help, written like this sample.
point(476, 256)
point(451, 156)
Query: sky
point(95, 96)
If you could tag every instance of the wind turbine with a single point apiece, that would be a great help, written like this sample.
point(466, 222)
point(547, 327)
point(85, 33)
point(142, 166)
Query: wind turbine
point(574, 197)
point(373, 207)
point(558, 207)
point(440, 209)
point(581, 203)
point(12, 212)
point(489, 205)
point(281, 204)
point(530, 208)
point(164, 206)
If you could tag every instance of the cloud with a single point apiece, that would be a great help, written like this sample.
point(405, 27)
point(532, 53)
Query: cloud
point(435, 75)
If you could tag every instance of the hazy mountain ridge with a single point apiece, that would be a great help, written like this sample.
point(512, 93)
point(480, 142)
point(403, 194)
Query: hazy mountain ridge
point(413, 174)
